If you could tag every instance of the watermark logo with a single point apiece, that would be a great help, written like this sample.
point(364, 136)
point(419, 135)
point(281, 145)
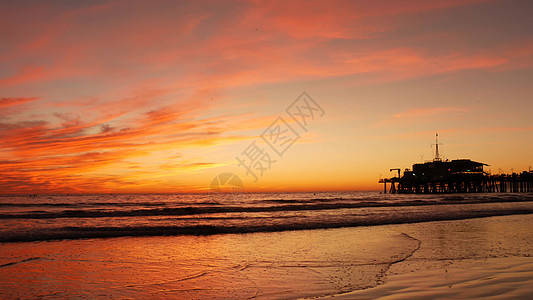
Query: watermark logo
point(255, 160)
point(304, 108)
point(279, 136)
point(226, 183)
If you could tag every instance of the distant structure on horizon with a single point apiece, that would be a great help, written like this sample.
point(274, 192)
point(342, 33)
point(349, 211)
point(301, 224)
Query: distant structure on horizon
point(455, 176)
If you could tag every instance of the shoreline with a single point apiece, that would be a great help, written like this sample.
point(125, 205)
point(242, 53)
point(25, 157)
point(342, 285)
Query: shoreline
point(501, 269)
point(390, 261)
point(402, 215)
point(497, 278)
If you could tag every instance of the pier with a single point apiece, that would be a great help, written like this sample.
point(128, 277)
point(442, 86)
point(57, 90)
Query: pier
point(455, 176)
point(503, 183)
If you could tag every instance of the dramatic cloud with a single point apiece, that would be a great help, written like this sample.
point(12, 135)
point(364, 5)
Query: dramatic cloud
point(101, 96)
point(7, 102)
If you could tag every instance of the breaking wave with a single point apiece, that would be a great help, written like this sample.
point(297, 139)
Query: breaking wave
point(102, 216)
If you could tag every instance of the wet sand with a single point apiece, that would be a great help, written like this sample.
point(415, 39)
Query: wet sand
point(487, 258)
point(449, 259)
point(492, 278)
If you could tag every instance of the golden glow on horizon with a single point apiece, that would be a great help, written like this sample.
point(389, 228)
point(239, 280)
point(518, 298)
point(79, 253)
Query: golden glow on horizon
point(161, 97)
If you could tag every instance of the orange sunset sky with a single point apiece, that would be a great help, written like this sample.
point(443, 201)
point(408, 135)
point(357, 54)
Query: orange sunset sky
point(162, 96)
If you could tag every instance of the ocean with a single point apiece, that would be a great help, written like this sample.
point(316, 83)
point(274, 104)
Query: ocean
point(56, 217)
point(259, 245)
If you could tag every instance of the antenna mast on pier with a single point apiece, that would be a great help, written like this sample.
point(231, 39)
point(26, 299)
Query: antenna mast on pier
point(437, 156)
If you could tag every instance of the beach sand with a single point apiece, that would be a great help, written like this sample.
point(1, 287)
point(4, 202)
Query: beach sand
point(492, 278)
point(449, 259)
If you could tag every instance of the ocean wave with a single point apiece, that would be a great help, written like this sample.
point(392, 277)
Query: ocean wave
point(111, 204)
point(81, 232)
point(211, 209)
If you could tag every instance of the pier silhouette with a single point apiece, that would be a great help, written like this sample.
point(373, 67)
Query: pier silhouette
point(455, 176)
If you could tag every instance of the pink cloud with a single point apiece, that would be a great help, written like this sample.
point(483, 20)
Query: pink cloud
point(265, 42)
point(8, 102)
point(138, 75)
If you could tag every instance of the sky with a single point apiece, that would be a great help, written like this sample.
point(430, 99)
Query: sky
point(163, 96)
